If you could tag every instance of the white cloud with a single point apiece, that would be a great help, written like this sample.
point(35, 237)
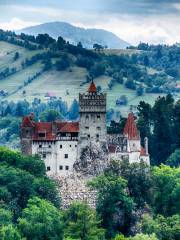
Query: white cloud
point(15, 24)
point(176, 6)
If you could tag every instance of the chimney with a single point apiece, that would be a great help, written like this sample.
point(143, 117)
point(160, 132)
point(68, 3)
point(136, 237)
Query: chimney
point(146, 145)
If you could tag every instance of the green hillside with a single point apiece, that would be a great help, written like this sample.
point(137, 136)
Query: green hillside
point(31, 81)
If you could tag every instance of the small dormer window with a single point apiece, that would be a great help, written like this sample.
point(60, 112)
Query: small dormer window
point(42, 135)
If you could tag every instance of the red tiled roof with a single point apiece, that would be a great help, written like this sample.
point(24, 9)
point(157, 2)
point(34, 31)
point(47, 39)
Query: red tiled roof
point(46, 128)
point(130, 129)
point(92, 88)
point(143, 152)
point(27, 122)
point(70, 127)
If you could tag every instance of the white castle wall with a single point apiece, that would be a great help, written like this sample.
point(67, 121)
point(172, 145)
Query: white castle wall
point(59, 156)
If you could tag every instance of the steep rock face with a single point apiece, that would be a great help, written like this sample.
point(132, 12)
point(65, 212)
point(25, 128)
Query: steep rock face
point(76, 34)
point(93, 160)
point(74, 188)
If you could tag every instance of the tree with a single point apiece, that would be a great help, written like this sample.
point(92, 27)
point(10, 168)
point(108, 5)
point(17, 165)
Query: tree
point(5, 215)
point(10, 233)
point(41, 221)
point(146, 61)
point(141, 236)
point(50, 115)
point(166, 190)
point(174, 159)
point(144, 120)
point(130, 84)
point(16, 56)
point(98, 47)
point(140, 91)
point(82, 223)
point(63, 63)
point(74, 110)
point(162, 139)
point(113, 203)
point(138, 177)
point(164, 228)
point(79, 45)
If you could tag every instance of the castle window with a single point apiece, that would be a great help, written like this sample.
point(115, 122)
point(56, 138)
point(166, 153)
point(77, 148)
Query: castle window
point(42, 135)
point(98, 128)
point(67, 168)
point(49, 146)
point(40, 146)
point(60, 167)
point(98, 116)
point(48, 168)
point(86, 127)
point(70, 146)
point(65, 155)
point(60, 146)
point(87, 117)
point(75, 146)
point(44, 155)
point(88, 135)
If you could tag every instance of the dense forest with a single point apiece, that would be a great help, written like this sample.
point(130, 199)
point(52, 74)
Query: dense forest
point(134, 202)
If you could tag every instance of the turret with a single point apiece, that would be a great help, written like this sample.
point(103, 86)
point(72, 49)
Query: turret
point(27, 129)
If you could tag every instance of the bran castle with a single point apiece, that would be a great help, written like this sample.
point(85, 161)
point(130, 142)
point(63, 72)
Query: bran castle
point(85, 145)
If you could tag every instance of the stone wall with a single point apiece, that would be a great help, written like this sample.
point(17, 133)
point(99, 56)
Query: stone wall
point(74, 188)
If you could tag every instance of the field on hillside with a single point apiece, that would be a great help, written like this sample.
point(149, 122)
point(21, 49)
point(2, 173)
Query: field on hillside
point(64, 84)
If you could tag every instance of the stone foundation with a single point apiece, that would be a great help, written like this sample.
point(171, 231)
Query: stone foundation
point(74, 188)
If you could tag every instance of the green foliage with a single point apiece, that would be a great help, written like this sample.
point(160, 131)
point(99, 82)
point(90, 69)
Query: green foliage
point(50, 115)
point(138, 177)
point(21, 178)
point(31, 164)
point(10, 233)
point(120, 237)
point(63, 63)
point(160, 124)
point(5, 217)
point(41, 220)
point(113, 204)
point(164, 228)
point(174, 159)
point(166, 190)
point(144, 237)
point(82, 223)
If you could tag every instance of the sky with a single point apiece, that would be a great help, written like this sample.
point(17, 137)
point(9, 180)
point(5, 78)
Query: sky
point(152, 21)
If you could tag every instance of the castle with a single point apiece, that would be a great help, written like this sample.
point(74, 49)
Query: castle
point(62, 145)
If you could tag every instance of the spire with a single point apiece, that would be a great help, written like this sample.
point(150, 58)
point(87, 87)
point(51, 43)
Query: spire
point(92, 87)
point(130, 129)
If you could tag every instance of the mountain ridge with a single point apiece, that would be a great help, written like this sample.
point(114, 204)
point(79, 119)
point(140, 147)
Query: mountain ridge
point(73, 34)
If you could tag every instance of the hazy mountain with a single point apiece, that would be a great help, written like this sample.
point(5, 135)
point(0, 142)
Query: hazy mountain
point(75, 34)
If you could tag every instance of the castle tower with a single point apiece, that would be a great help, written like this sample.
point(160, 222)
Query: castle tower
point(132, 134)
point(27, 129)
point(92, 124)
